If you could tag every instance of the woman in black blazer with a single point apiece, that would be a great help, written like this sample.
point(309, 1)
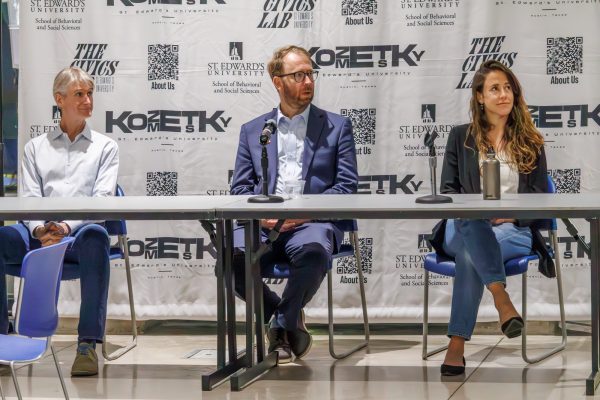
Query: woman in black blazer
point(500, 120)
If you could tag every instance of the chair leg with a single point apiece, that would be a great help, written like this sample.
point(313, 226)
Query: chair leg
point(14, 377)
point(60, 375)
point(362, 344)
point(2, 392)
point(119, 352)
point(425, 354)
point(361, 284)
point(563, 343)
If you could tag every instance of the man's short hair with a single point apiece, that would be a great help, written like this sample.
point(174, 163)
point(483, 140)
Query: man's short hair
point(275, 65)
point(69, 75)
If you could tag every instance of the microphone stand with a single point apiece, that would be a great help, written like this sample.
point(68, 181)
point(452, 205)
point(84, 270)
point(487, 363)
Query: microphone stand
point(265, 197)
point(432, 198)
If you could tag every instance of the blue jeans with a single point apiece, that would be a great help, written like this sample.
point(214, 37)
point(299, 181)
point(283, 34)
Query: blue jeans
point(479, 250)
point(90, 251)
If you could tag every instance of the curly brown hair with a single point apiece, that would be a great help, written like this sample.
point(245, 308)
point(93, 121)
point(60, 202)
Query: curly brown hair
point(522, 142)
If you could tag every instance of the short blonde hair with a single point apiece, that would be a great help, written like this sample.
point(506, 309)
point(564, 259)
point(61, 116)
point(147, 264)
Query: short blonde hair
point(69, 75)
point(275, 65)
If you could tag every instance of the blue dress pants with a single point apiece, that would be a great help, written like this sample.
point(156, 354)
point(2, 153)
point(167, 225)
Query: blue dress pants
point(308, 250)
point(90, 251)
point(479, 250)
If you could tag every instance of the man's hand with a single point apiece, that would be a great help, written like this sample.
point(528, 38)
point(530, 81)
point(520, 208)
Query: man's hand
point(288, 225)
point(52, 232)
point(499, 221)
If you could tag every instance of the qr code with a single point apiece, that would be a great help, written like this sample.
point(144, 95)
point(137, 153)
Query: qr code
point(566, 180)
point(564, 55)
point(163, 62)
point(359, 7)
point(363, 124)
point(347, 265)
point(161, 184)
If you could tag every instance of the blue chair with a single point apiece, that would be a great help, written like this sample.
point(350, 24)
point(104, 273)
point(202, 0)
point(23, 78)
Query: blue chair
point(118, 250)
point(443, 266)
point(36, 316)
point(351, 249)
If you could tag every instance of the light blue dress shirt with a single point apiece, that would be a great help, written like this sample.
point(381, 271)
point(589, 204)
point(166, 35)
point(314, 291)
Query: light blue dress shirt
point(290, 147)
point(53, 166)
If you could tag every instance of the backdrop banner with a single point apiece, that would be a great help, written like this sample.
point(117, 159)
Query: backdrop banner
point(176, 79)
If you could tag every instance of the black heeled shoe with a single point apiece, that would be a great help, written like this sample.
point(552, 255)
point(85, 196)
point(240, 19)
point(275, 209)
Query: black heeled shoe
point(513, 327)
point(453, 370)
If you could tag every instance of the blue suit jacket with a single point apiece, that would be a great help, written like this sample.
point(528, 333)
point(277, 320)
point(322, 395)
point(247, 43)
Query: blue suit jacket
point(328, 163)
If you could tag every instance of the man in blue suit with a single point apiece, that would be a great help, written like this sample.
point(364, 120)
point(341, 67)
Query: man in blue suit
point(310, 144)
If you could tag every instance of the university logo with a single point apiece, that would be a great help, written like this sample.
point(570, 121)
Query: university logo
point(237, 75)
point(57, 6)
point(167, 121)
point(481, 50)
point(280, 14)
point(36, 130)
point(428, 113)
point(423, 243)
point(413, 134)
point(90, 57)
point(236, 51)
point(56, 114)
point(374, 56)
point(564, 59)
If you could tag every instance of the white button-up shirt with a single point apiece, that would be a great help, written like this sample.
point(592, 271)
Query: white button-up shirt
point(290, 147)
point(53, 166)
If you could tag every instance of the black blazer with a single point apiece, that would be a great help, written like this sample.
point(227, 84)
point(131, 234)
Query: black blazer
point(461, 174)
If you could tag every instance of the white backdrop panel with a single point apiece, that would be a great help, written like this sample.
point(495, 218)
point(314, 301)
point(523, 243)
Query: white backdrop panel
point(176, 81)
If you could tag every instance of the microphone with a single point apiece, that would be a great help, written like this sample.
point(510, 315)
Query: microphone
point(268, 129)
point(432, 198)
point(429, 142)
point(265, 139)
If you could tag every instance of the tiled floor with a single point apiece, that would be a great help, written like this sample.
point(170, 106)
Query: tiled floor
point(391, 369)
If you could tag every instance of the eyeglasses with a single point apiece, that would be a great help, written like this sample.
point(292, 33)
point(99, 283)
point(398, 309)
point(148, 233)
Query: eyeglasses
point(301, 75)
